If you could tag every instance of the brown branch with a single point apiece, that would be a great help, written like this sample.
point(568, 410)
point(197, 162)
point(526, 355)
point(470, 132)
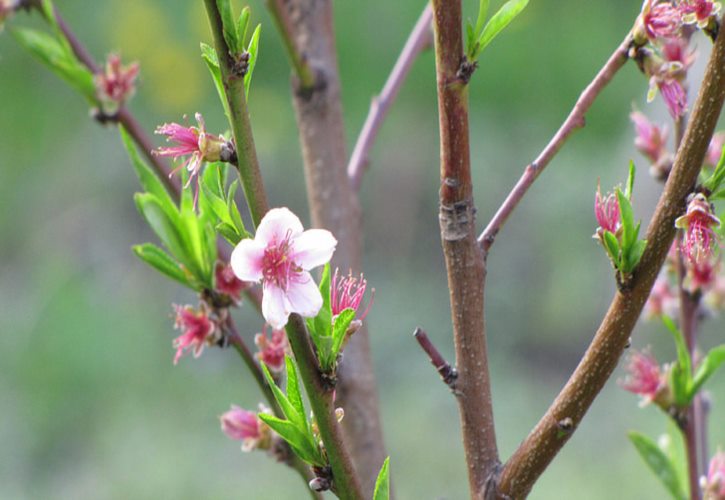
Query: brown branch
point(418, 40)
point(573, 122)
point(444, 369)
point(335, 206)
point(464, 259)
point(541, 446)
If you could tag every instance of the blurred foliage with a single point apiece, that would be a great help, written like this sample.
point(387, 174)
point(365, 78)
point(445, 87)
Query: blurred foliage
point(91, 404)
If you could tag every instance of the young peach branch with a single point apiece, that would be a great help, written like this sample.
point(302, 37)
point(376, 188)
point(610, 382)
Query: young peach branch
point(418, 40)
point(543, 443)
point(463, 256)
point(298, 59)
point(344, 478)
point(247, 163)
point(335, 206)
point(240, 346)
point(444, 369)
point(573, 122)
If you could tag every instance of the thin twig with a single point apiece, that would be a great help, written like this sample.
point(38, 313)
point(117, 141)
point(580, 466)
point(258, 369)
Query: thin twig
point(281, 15)
point(573, 122)
point(420, 38)
point(544, 442)
point(445, 370)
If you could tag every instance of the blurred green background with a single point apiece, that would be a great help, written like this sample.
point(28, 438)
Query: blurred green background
point(91, 406)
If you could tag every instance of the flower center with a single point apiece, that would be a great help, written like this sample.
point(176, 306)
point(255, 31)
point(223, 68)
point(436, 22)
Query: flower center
point(277, 266)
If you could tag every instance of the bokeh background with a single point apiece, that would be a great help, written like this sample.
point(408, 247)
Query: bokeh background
point(91, 406)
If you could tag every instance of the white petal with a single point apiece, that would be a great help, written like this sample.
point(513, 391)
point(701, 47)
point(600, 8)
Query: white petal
point(274, 307)
point(277, 224)
point(313, 248)
point(247, 258)
point(303, 296)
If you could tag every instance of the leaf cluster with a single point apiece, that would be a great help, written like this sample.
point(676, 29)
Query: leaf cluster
point(478, 37)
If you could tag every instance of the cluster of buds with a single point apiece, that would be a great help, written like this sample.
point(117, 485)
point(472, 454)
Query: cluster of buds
point(246, 426)
point(272, 350)
point(198, 329)
point(115, 84)
point(700, 243)
point(646, 378)
point(197, 145)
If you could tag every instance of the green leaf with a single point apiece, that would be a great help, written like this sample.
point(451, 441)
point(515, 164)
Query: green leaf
point(683, 355)
point(54, 55)
point(233, 210)
point(498, 22)
point(470, 40)
point(611, 245)
point(382, 484)
point(162, 262)
point(634, 255)
point(293, 386)
point(289, 410)
point(680, 372)
point(320, 327)
point(630, 181)
point(718, 195)
point(629, 235)
point(300, 442)
point(228, 233)
point(718, 174)
point(659, 463)
point(253, 50)
point(148, 179)
point(342, 322)
point(212, 62)
point(228, 25)
point(243, 25)
point(709, 365)
point(163, 224)
point(482, 13)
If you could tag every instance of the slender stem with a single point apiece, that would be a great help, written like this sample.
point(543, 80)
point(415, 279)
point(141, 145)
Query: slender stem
point(248, 164)
point(240, 346)
point(464, 259)
point(445, 370)
point(418, 40)
point(335, 206)
point(345, 480)
point(282, 18)
point(573, 122)
point(544, 442)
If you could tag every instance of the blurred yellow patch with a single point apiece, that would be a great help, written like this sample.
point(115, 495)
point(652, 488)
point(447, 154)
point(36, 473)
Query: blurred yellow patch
point(171, 74)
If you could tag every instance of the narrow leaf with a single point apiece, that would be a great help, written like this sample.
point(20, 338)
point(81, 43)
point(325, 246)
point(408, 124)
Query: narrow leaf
point(228, 26)
point(482, 13)
point(627, 216)
point(212, 62)
point(659, 463)
point(342, 322)
point(164, 225)
point(499, 21)
point(289, 410)
point(243, 25)
point(300, 442)
point(253, 50)
point(162, 262)
point(709, 365)
point(293, 386)
point(382, 484)
point(630, 181)
point(229, 233)
point(611, 245)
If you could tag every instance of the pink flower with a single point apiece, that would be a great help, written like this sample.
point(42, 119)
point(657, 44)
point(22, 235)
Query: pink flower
point(281, 256)
point(116, 84)
point(677, 50)
point(662, 20)
point(197, 329)
point(245, 426)
point(714, 484)
point(227, 283)
point(699, 11)
point(662, 299)
point(193, 142)
point(651, 140)
point(714, 150)
point(272, 351)
point(347, 293)
point(701, 239)
point(701, 275)
point(606, 211)
point(666, 80)
point(644, 376)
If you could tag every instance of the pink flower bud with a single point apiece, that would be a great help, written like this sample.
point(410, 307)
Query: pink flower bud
point(245, 426)
point(700, 240)
point(227, 283)
point(714, 150)
point(272, 351)
point(348, 293)
point(662, 300)
point(645, 378)
point(197, 329)
point(714, 484)
point(606, 211)
point(662, 20)
point(650, 140)
point(699, 11)
point(115, 84)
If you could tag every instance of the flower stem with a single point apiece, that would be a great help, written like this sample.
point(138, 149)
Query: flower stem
point(248, 164)
point(545, 441)
point(345, 480)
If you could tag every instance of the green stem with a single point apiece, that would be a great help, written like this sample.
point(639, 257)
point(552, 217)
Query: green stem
point(248, 164)
point(346, 483)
